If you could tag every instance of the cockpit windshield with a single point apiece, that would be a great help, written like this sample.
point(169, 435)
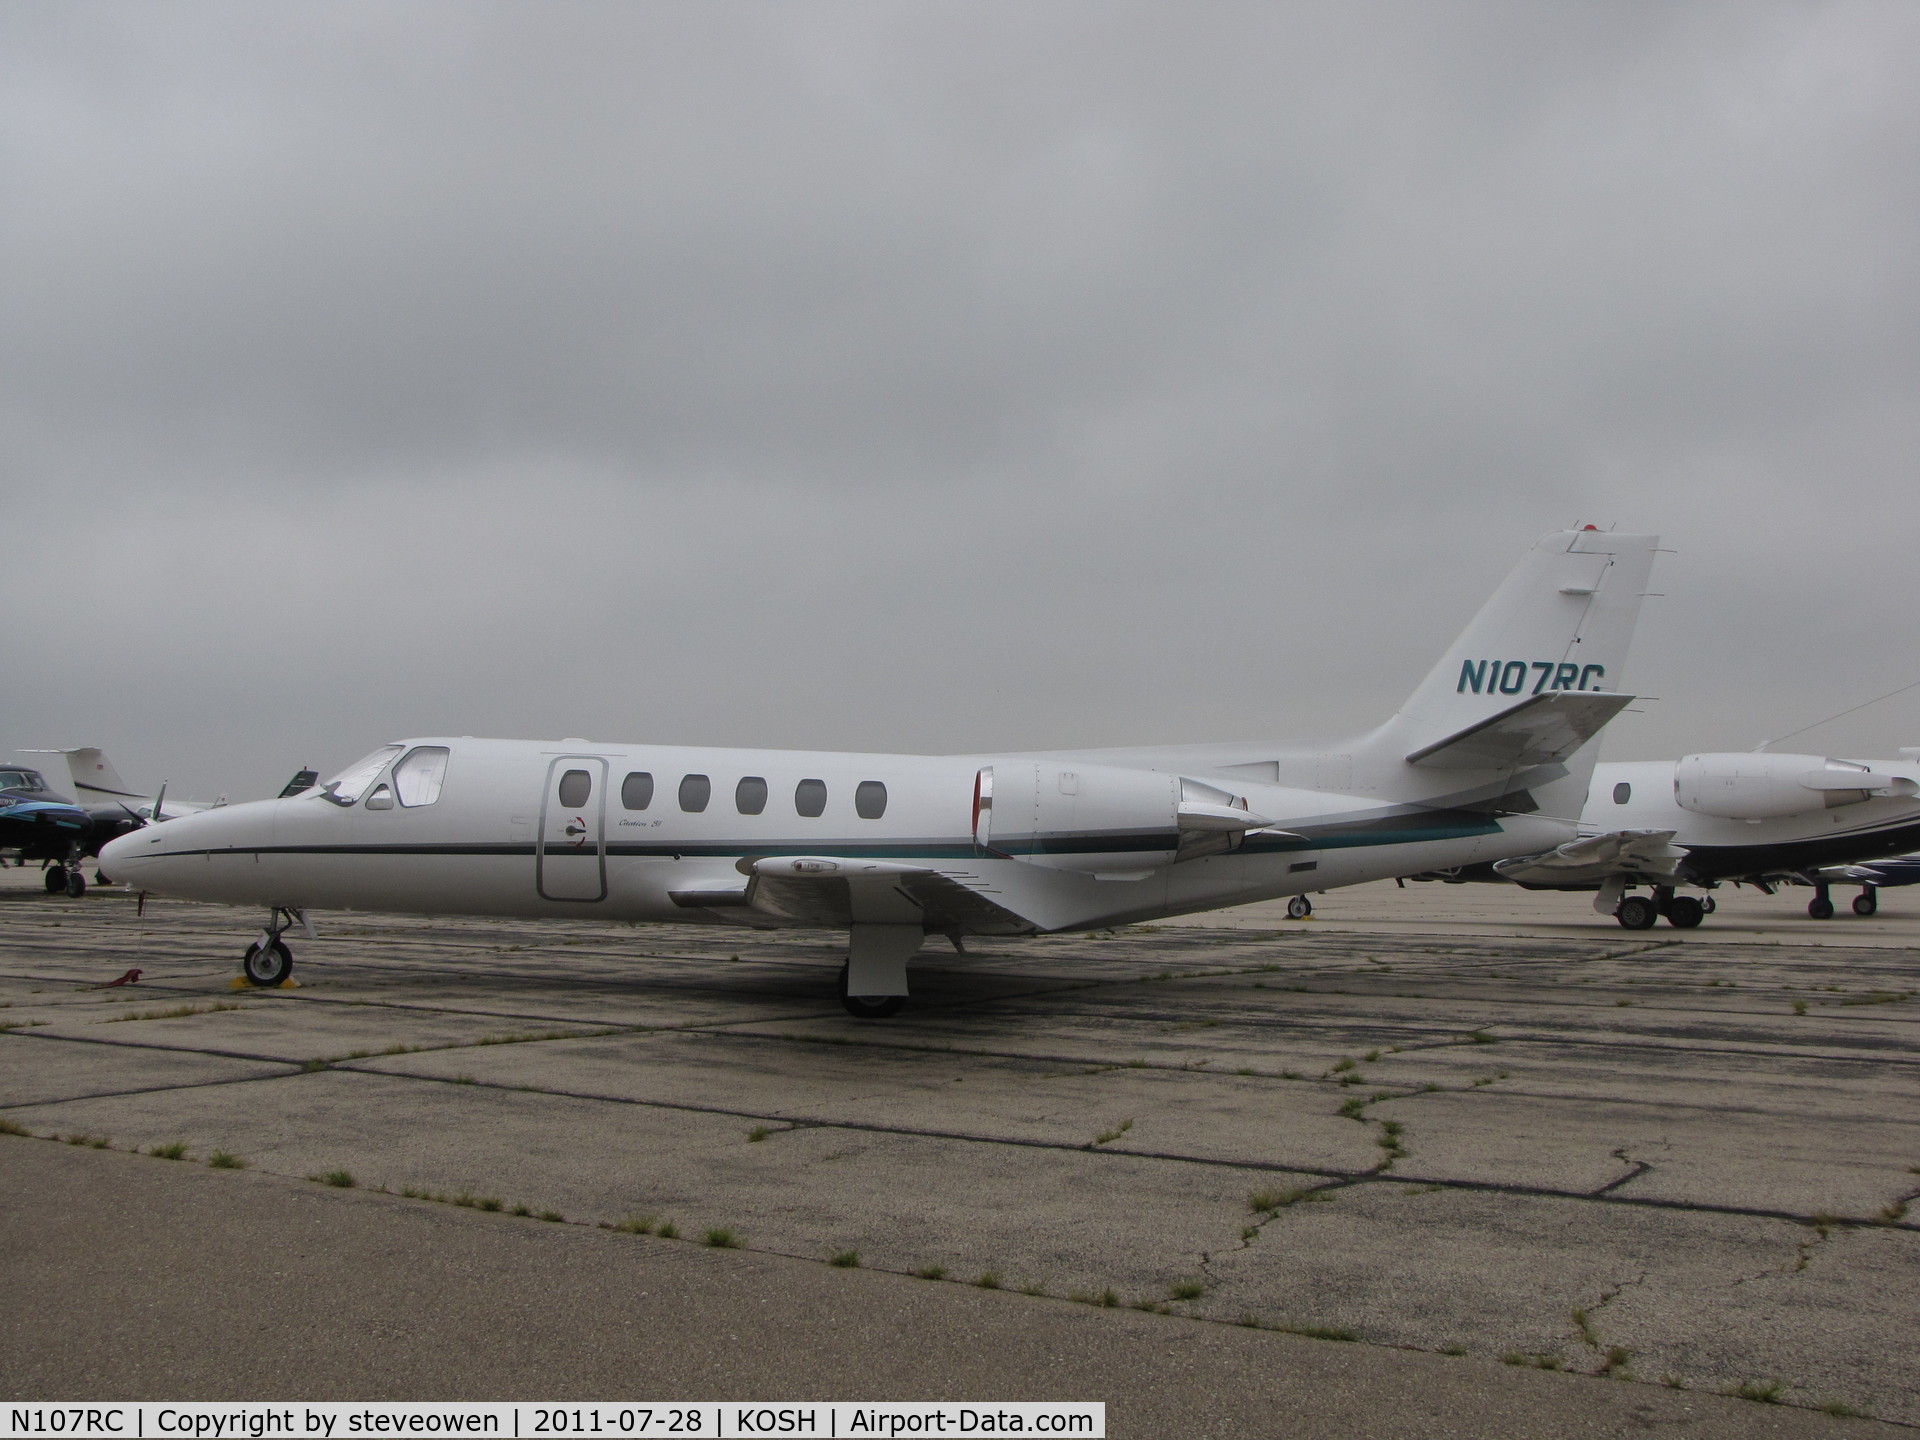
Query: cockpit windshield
point(21, 780)
point(346, 787)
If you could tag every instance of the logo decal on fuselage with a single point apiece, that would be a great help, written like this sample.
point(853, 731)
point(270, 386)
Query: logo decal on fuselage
point(1509, 677)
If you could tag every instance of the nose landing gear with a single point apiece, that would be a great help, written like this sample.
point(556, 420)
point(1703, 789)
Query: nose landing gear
point(268, 962)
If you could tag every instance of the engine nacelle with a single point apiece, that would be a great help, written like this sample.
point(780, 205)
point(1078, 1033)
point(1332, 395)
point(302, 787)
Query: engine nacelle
point(1767, 787)
point(1102, 819)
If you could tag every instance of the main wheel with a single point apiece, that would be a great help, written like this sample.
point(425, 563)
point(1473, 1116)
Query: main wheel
point(1866, 903)
point(1684, 912)
point(1820, 909)
point(76, 883)
point(1299, 907)
point(1637, 912)
point(267, 964)
point(869, 1007)
point(56, 879)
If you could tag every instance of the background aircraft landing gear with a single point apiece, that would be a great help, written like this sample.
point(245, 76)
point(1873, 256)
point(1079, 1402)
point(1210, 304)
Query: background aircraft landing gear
point(1821, 906)
point(868, 1007)
point(1684, 912)
point(1299, 907)
point(1637, 912)
point(1867, 902)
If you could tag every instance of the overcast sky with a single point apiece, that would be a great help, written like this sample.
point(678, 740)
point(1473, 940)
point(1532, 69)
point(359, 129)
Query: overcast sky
point(934, 376)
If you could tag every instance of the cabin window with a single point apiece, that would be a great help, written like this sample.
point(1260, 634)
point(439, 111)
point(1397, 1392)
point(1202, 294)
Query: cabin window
point(810, 797)
point(575, 787)
point(1622, 793)
point(418, 778)
point(750, 795)
point(870, 800)
point(695, 792)
point(381, 798)
point(346, 787)
point(636, 791)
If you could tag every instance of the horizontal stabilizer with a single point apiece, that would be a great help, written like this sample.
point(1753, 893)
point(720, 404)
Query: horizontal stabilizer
point(1538, 731)
point(1596, 858)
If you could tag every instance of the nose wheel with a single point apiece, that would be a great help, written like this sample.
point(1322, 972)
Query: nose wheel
point(268, 962)
point(1299, 907)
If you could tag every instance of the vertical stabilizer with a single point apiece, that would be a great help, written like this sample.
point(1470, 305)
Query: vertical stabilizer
point(1559, 625)
point(96, 781)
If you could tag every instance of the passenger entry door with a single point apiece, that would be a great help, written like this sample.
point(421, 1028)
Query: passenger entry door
point(570, 858)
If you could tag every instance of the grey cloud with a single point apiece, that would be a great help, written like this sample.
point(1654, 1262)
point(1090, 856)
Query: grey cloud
point(937, 376)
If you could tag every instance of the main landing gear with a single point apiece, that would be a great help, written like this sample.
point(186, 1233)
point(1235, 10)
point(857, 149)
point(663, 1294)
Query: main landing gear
point(268, 962)
point(873, 982)
point(66, 878)
point(1642, 912)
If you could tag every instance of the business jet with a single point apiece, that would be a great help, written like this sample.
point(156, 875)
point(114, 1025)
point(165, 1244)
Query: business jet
point(1488, 758)
point(1751, 818)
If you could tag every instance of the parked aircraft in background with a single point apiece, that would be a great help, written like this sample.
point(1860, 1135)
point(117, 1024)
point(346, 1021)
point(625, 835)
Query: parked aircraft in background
point(98, 786)
point(1751, 818)
point(1489, 758)
point(39, 823)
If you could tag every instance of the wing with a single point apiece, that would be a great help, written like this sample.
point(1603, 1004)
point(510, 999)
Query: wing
point(834, 892)
point(1539, 731)
point(1596, 858)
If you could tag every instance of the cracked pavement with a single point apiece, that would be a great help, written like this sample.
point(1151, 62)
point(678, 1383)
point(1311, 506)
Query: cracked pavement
point(1440, 1142)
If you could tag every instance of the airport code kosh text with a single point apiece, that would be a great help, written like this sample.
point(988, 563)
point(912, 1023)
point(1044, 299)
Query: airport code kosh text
point(701, 1420)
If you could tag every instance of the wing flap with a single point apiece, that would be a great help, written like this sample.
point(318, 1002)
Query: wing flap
point(1596, 858)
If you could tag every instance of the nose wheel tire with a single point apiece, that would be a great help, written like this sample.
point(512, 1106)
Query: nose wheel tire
point(267, 964)
point(1637, 912)
point(1684, 912)
point(1299, 907)
point(76, 884)
point(869, 1007)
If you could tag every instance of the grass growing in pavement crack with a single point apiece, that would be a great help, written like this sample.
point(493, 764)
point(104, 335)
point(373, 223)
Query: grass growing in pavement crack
point(176, 1013)
point(175, 1151)
point(223, 1160)
point(720, 1238)
point(339, 1179)
point(1114, 1134)
point(846, 1260)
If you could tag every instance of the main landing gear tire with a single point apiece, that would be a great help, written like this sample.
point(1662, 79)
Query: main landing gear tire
point(1637, 912)
point(1866, 903)
point(267, 964)
point(56, 878)
point(1820, 909)
point(869, 1007)
point(1684, 912)
point(1299, 907)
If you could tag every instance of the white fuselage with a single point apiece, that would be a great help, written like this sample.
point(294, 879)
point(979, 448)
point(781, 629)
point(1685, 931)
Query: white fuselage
point(1795, 828)
point(502, 837)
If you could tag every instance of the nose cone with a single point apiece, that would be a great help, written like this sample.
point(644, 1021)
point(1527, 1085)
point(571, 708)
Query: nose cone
point(121, 858)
